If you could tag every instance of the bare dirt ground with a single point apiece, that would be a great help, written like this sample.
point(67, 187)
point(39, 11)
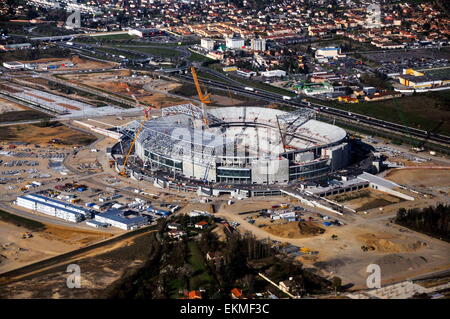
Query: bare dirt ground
point(34, 134)
point(99, 269)
point(292, 230)
point(53, 240)
point(401, 253)
point(79, 63)
point(420, 177)
point(365, 199)
point(121, 82)
point(7, 106)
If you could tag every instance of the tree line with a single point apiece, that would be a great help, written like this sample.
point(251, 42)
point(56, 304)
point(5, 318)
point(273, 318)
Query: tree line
point(433, 220)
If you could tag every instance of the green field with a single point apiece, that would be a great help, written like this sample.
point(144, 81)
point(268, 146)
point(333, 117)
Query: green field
point(21, 221)
point(162, 52)
point(195, 57)
point(124, 36)
point(423, 111)
point(200, 276)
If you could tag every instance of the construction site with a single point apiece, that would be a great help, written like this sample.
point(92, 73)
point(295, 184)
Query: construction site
point(121, 147)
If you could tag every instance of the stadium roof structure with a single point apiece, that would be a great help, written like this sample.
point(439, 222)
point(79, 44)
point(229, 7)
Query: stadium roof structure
point(253, 132)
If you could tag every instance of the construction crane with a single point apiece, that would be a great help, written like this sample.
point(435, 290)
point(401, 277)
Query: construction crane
point(204, 98)
point(147, 110)
point(123, 172)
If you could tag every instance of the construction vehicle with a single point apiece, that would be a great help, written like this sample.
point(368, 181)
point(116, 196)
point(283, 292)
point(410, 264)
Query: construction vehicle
point(27, 235)
point(305, 250)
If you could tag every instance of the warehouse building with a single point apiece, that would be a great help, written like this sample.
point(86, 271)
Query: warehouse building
point(120, 219)
point(52, 207)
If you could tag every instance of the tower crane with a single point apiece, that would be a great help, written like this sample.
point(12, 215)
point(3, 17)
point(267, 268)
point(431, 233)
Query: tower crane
point(204, 98)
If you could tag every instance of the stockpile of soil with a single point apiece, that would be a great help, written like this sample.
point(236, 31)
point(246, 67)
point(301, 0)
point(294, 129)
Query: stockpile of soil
point(76, 59)
point(389, 244)
point(395, 263)
point(308, 228)
point(295, 230)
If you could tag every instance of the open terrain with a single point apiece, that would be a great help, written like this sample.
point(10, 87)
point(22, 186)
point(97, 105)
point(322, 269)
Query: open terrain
point(421, 177)
point(36, 134)
point(50, 241)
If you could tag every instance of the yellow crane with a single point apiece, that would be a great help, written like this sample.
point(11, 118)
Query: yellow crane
point(123, 172)
point(204, 98)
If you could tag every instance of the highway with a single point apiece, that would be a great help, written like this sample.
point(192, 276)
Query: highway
point(274, 97)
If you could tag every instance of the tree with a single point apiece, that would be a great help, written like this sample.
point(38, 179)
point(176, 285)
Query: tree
point(336, 284)
point(45, 122)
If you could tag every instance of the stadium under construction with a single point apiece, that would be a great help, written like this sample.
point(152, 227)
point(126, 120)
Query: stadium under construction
point(239, 145)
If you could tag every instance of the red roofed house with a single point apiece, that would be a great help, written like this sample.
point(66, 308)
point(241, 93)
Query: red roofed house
point(202, 225)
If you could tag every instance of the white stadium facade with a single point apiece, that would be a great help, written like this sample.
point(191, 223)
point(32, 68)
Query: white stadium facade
point(241, 145)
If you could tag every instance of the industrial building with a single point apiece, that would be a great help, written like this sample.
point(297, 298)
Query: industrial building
point(53, 207)
point(241, 145)
point(121, 219)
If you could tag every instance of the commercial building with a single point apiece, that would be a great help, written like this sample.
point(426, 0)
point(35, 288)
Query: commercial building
point(274, 73)
point(241, 145)
point(207, 44)
point(245, 73)
point(315, 88)
point(258, 44)
point(329, 52)
point(425, 78)
point(53, 207)
point(121, 219)
point(146, 33)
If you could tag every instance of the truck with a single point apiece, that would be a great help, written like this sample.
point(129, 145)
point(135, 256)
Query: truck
point(69, 43)
point(286, 98)
point(249, 88)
